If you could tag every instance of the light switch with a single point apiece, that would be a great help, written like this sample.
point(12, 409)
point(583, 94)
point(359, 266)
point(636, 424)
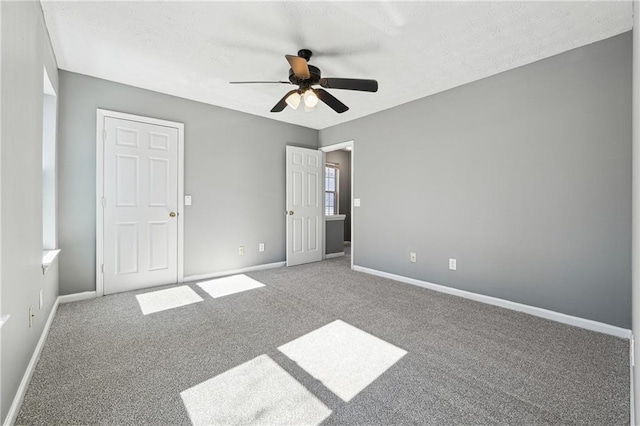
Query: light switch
point(356, 202)
point(187, 200)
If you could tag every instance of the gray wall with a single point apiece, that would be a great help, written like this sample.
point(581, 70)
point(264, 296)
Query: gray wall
point(344, 191)
point(25, 51)
point(523, 177)
point(234, 170)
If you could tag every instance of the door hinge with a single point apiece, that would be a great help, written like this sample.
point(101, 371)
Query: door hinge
point(102, 268)
point(104, 136)
point(104, 202)
point(632, 351)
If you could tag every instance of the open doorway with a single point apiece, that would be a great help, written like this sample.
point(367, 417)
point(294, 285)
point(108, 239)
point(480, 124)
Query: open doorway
point(338, 200)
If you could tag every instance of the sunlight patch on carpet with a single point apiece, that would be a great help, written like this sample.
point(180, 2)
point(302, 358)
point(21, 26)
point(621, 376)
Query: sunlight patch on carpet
point(170, 298)
point(344, 358)
point(258, 392)
point(229, 285)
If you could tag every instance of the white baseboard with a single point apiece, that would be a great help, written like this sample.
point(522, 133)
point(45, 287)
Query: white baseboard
point(631, 381)
point(234, 271)
point(532, 310)
point(26, 379)
point(332, 255)
point(77, 296)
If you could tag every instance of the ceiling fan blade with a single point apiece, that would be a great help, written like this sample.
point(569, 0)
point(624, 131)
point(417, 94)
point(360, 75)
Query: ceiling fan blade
point(282, 103)
point(299, 66)
point(350, 84)
point(330, 100)
point(259, 82)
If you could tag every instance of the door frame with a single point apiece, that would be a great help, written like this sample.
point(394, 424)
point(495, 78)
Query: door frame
point(101, 114)
point(336, 147)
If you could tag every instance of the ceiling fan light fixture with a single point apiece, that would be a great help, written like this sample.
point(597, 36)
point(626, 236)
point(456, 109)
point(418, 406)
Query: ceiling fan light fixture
point(309, 109)
point(310, 99)
point(293, 100)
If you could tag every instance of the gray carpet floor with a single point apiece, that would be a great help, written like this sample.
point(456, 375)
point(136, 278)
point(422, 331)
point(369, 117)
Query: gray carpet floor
point(466, 363)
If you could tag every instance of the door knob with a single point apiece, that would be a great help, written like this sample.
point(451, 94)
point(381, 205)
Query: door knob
point(172, 214)
point(290, 212)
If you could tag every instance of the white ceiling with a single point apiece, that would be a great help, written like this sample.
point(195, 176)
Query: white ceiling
point(413, 49)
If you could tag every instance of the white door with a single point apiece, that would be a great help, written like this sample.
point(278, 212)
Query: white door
point(140, 205)
point(305, 225)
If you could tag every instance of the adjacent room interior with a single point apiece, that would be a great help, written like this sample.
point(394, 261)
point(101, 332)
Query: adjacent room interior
point(311, 213)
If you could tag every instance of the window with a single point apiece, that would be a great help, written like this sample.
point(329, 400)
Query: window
point(49, 173)
point(331, 181)
point(49, 114)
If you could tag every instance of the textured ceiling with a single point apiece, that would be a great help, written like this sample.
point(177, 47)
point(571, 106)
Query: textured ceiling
point(414, 49)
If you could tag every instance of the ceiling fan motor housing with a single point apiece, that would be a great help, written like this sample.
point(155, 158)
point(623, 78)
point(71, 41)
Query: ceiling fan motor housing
point(315, 76)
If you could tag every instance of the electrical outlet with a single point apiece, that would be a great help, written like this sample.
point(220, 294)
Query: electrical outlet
point(452, 264)
point(413, 257)
point(261, 247)
point(241, 250)
point(31, 316)
point(41, 298)
point(356, 202)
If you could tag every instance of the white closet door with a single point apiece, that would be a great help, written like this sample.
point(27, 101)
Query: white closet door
point(140, 205)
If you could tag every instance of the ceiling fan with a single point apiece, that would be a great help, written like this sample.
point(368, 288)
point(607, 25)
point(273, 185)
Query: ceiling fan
point(306, 76)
